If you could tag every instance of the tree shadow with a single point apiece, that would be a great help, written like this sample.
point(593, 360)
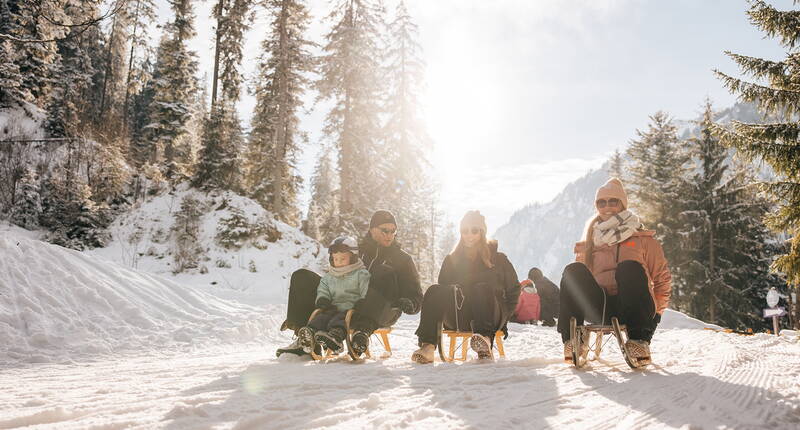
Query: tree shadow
point(692, 400)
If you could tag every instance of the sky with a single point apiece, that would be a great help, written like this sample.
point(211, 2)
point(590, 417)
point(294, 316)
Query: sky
point(525, 96)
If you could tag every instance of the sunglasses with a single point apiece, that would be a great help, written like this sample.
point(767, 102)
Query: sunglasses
point(473, 230)
point(388, 231)
point(612, 203)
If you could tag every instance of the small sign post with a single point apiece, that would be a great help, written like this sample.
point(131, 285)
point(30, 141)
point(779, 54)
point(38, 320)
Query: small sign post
point(772, 301)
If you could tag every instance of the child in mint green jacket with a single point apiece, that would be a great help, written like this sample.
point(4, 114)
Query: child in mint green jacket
point(345, 283)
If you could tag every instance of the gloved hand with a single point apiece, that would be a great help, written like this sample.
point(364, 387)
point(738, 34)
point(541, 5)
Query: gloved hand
point(656, 319)
point(405, 305)
point(325, 304)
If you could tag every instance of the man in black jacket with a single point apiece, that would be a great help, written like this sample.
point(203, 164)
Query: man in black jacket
point(548, 295)
point(394, 286)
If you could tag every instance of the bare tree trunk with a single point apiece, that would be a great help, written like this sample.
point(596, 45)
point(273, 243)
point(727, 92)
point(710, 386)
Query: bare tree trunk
point(125, 124)
point(279, 135)
point(215, 78)
point(713, 299)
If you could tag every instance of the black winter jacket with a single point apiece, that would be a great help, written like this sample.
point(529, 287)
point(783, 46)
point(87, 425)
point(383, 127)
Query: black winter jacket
point(458, 270)
point(398, 261)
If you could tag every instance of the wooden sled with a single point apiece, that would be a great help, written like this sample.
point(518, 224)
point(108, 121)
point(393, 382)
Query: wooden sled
point(328, 354)
point(464, 336)
point(582, 334)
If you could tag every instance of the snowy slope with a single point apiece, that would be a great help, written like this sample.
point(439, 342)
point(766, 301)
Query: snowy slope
point(701, 379)
point(143, 238)
point(61, 305)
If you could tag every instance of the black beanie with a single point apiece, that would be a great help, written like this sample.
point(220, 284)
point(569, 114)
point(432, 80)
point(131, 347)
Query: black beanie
point(382, 217)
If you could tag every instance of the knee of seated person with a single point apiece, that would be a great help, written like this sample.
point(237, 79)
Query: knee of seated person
point(574, 267)
point(432, 291)
point(300, 274)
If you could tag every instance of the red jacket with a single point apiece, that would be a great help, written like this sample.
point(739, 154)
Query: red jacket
point(529, 306)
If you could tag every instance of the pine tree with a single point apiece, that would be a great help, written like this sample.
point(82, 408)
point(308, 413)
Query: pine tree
point(351, 80)
point(27, 205)
point(726, 276)
point(775, 143)
point(173, 87)
point(656, 182)
point(408, 190)
point(233, 17)
point(72, 103)
point(112, 91)
point(29, 68)
point(275, 139)
point(220, 165)
point(323, 211)
point(11, 90)
point(140, 14)
point(141, 150)
point(222, 140)
point(616, 167)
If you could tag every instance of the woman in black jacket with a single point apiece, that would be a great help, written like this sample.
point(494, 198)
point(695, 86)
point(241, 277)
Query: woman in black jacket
point(477, 291)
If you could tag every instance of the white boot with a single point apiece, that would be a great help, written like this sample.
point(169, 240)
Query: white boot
point(481, 345)
point(424, 355)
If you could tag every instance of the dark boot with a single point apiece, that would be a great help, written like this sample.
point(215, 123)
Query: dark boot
point(360, 342)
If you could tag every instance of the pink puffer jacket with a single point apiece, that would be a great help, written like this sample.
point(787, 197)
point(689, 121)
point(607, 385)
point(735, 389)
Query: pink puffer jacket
point(641, 247)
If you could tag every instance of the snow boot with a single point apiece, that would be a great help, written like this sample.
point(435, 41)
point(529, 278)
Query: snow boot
point(424, 355)
point(639, 350)
point(331, 339)
point(482, 346)
point(305, 339)
point(360, 342)
point(292, 348)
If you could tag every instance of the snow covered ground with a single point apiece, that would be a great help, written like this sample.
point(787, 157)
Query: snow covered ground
point(86, 343)
point(59, 305)
point(701, 379)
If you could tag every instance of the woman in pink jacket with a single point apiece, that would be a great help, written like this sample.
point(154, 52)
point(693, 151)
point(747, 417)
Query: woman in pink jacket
point(619, 270)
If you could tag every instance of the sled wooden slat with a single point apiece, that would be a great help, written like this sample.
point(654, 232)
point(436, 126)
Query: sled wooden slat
point(464, 336)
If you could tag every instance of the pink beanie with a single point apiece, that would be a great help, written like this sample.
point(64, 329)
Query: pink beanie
point(613, 189)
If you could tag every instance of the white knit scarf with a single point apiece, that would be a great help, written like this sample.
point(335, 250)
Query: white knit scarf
point(616, 229)
point(341, 271)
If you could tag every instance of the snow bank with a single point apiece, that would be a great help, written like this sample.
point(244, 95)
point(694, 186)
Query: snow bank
point(256, 274)
point(57, 304)
point(673, 319)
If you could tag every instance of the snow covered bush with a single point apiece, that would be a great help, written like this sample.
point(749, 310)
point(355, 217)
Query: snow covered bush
point(188, 250)
point(236, 230)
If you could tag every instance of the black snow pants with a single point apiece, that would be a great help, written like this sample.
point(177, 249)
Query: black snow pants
point(377, 308)
point(302, 298)
point(584, 299)
point(465, 308)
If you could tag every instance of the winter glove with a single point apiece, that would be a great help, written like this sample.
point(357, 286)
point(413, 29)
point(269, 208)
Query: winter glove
point(405, 305)
point(325, 304)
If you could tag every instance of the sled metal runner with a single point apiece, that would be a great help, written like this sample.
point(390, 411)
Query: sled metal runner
point(327, 354)
point(581, 335)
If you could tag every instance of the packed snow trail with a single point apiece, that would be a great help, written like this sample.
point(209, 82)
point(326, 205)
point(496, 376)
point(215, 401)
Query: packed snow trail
point(701, 379)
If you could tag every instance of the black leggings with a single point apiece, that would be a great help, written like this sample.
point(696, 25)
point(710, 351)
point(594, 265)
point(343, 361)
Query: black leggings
point(372, 312)
point(584, 299)
point(473, 308)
